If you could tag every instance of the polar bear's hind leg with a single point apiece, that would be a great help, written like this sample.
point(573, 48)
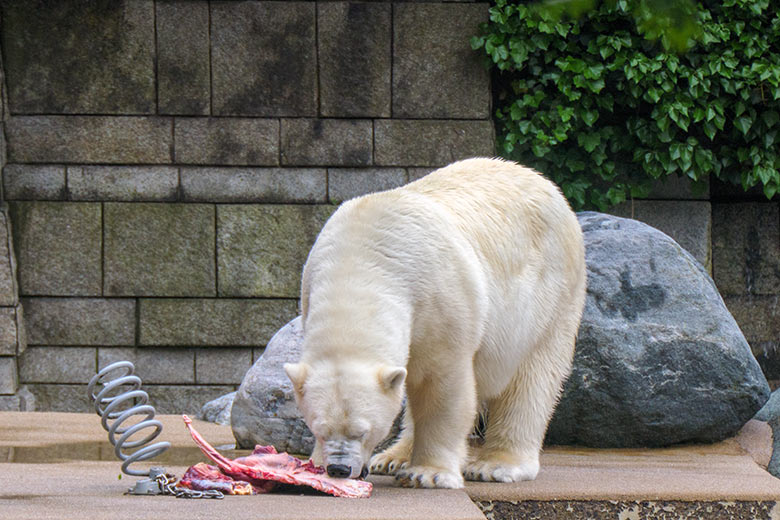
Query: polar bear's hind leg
point(517, 419)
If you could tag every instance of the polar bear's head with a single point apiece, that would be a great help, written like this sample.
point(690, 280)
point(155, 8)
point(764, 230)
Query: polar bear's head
point(349, 407)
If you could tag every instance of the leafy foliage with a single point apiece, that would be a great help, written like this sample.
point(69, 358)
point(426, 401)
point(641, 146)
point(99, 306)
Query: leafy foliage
point(600, 101)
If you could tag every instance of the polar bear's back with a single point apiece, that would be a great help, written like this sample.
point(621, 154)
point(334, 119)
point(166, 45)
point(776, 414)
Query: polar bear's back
point(508, 211)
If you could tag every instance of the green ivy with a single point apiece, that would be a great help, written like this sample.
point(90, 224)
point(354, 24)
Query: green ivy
point(602, 104)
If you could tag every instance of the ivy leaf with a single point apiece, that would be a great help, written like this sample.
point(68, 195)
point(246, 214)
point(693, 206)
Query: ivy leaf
point(710, 130)
point(565, 113)
point(589, 140)
point(743, 124)
point(589, 116)
point(770, 118)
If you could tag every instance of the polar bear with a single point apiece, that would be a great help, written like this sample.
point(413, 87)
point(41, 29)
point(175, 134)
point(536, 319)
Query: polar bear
point(463, 289)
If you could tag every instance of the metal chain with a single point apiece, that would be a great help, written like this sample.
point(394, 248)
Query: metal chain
point(168, 487)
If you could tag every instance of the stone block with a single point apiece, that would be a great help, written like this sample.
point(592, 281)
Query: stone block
point(61, 398)
point(79, 321)
point(212, 322)
point(229, 141)
point(34, 182)
point(687, 222)
point(263, 58)
point(8, 336)
point(58, 247)
point(153, 365)
point(757, 316)
point(159, 250)
point(89, 139)
point(677, 187)
point(57, 365)
point(8, 287)
point(108, 355)
point(261, 249)
point(123, 183)
point(165, 365)
point(183, 399)
point(207, 184)
point(333, 142)
point(8, 377)
point(183, 72)
point(418, 173)
point(436, 74)
point(222, 366)
point(79, 57)
point(9, 403)
point(354, 51)
point(431, 142)
point(746, 248)
point(759, 319)
point(348, 183)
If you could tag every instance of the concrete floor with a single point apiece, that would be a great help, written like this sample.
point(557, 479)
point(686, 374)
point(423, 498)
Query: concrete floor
point(58, 465)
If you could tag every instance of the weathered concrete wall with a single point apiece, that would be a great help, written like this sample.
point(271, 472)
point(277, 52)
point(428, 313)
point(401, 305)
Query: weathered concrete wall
point(170, 163)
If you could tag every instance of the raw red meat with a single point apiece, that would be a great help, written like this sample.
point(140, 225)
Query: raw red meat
point(202, 477)
point(265, 464)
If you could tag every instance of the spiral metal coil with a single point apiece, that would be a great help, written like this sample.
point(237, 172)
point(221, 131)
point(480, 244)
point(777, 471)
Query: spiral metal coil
point(120, 399)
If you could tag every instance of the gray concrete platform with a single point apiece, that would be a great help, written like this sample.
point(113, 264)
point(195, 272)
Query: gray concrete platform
point(59, 466)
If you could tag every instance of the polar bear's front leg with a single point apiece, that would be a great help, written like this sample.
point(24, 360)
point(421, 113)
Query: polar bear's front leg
point(396, 456)
point(443, 407)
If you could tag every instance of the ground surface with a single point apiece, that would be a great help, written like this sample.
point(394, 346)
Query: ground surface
point(57, 465)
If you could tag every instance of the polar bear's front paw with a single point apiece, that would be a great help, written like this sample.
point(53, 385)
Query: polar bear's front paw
point(387, 463)
point(428, 477)
point(495, 471)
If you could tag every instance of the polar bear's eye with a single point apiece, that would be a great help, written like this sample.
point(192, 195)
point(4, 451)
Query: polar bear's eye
point(360, 431)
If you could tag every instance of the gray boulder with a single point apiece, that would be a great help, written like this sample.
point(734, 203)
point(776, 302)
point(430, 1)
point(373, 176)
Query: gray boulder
point(218, 410)
point(770, 413)
point(264, 410)
point(771, 410)
point(659, 358)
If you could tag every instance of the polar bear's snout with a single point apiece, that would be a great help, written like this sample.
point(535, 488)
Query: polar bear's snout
point(343, 459)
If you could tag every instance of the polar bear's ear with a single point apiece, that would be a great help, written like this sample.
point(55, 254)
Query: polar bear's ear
point(297, 373)
point(392, 378)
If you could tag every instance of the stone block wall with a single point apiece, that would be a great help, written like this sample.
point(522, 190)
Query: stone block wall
point(170, 163)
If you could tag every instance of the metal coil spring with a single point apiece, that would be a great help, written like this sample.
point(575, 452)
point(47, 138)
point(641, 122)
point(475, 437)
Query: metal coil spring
point(119, 406)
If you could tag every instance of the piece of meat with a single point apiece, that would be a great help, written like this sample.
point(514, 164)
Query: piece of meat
point(203, 477)
point(265, 464)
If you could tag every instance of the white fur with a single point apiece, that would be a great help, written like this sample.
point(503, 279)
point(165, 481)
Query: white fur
point(473, 280)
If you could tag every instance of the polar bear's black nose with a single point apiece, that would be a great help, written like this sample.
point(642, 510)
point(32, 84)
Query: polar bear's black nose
point(339, 470)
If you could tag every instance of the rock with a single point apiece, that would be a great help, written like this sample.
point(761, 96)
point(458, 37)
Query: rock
point(264, 409)
point(770, 413)
point(774, 462)
point(218, 410)
point(659, 359)
point(771, 410)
